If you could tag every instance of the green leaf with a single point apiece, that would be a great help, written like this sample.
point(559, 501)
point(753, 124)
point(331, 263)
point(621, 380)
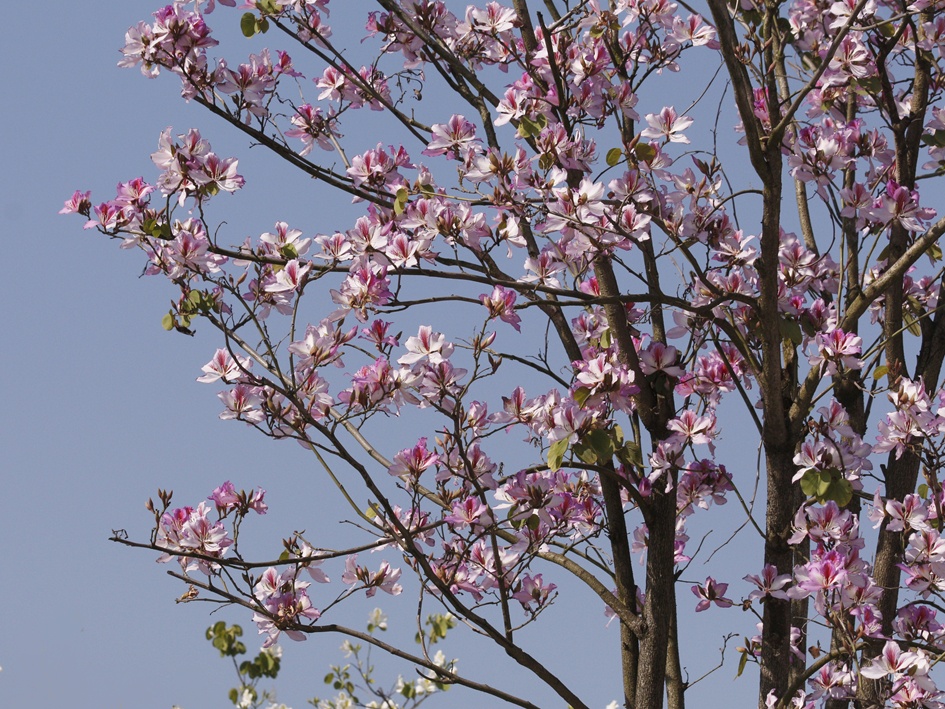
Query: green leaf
point(556, 453)
point(603, 443)
point(871, 85)
point(751, 17)
point(614, 156)
point(585, 452)
point(936, 138)
point(923, 491)
point(791, 330)
point(813, 484)
point(530, 128)
point(807, 325)
point(440, 624)
point(742, 663)
point(880, 372)
point(630, 454)
point(618, 435)
point(400, 200)
point(580, 395)
point(597, 447)
point(886, 29)
point(248, 26)
point(606, 339)
point(841, 491)
point(934, 252)
point(644, 152)
point(546, 161)
point(262, 25)
point(826, 485)
point(912, 325)
point(167, 322)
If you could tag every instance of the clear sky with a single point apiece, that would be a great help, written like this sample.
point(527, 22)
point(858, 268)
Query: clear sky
point(102, 407)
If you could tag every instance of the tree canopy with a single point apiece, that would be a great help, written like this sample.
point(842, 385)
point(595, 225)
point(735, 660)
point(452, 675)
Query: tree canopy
point(603, 249)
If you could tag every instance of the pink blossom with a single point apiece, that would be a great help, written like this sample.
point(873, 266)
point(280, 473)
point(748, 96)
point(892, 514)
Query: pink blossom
point(493, 19)
point(513, 106)
point(242, 402)
point(377, 168)
point(693, 428)
point(366, 286)
point(501, 304)
point(470, 512)
point(534, 590)
point(892, 661)
point(224, 366)
point(452, 138)
point(908, 515)
point(426, 345)
point(284, 603)
point(77, 204)
point(187, 529)
point(214, 173)
point(224, 497)
point(898, 204)
point(837, 348)
point(711, 592)
point(377, 333)
point(696, 31)
point(109, 216)
point(313, 128)
point(255, 501)
point(412, 462)
point(667, 126)
point(385, 578)
point(769, 584)
point(284, 241)
point(291, 278)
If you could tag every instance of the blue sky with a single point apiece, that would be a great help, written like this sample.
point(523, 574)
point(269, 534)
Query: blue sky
point(102, 407)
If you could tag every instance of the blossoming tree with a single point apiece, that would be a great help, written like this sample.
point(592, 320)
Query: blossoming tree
point(594, 275)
